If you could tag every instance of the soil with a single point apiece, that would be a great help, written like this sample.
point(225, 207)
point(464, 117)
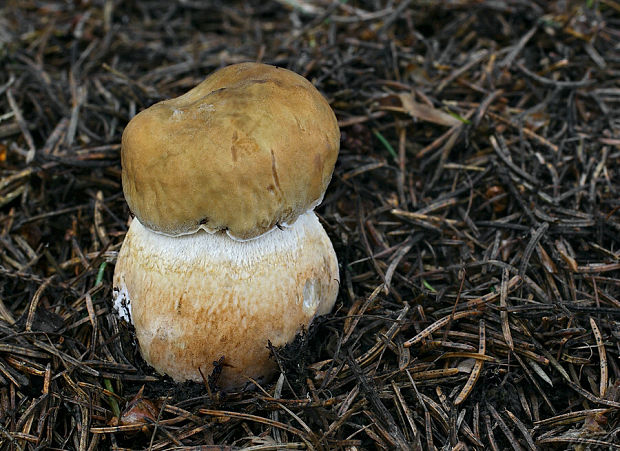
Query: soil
point(474, 210)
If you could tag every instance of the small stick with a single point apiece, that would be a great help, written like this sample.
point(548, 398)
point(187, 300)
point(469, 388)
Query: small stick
point(22, 125)
point(438, 325)
point(602, 357)
point(475, 372)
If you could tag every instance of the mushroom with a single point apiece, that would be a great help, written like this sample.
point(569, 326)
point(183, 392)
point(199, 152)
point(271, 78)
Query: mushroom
point(225, 253)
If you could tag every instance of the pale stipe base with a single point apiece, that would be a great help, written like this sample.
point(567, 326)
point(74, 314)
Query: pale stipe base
point(196, 298)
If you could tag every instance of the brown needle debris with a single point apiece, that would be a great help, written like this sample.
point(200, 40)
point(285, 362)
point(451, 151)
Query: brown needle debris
point(475, 210)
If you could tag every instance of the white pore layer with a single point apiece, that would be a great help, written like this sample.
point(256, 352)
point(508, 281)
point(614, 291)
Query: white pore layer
point(213, 247)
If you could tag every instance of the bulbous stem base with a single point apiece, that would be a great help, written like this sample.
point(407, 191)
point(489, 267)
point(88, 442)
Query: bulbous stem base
point(194, 299)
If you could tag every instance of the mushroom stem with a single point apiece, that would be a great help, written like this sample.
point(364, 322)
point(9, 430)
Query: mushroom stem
point(196, 298)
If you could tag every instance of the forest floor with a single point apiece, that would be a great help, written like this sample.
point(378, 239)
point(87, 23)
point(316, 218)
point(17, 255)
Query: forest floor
point(474, 209)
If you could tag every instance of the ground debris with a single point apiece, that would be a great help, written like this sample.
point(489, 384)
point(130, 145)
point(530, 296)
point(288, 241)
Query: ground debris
point(474, 209)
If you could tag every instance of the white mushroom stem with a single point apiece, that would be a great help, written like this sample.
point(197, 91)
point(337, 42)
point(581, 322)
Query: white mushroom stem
point(196, 298)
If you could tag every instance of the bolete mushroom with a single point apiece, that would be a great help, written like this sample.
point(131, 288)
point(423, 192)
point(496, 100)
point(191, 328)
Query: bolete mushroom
point(225, 253)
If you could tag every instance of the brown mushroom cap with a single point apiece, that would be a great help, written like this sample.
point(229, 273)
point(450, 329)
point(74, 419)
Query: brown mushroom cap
point(250, 147)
